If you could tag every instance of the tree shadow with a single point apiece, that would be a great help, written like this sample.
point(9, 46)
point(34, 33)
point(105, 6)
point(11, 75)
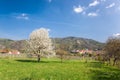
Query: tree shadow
point(101, 72)
point(19, 60)
point(105, 75)
point(95, 65)
point(35, 61)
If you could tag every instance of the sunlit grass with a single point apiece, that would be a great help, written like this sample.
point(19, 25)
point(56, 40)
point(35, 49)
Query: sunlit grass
point(53, 69)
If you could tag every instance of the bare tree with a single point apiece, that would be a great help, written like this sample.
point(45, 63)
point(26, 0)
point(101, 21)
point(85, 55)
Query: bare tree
point(40, 43)
point(112, 49)
point(61, 54)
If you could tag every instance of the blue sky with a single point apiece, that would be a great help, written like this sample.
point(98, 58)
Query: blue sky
point(94, 19)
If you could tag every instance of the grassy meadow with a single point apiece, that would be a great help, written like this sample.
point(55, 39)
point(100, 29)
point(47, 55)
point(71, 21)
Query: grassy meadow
point(53, 69)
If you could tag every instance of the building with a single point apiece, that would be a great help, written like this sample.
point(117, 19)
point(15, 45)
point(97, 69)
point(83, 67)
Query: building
point(9, 51)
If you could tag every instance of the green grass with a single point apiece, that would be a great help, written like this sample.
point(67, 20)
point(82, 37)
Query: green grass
point(52, 69)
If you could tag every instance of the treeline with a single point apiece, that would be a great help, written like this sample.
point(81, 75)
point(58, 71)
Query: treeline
point(111, 54)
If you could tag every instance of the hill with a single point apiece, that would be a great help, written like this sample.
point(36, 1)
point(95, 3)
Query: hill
point(5, 43)
point(12, 44)
point(69, 43)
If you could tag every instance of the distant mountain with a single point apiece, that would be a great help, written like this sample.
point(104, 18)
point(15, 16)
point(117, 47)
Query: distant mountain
point(5, 43)
point(12, 44)
point(69, 43)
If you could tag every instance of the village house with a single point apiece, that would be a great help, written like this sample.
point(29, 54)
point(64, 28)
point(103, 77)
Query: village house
point(3, 51)
point(14, 52)
point(83, 51)
point(6, 51)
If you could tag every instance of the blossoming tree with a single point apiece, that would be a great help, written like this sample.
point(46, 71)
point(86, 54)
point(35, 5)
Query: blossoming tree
point(40, 42)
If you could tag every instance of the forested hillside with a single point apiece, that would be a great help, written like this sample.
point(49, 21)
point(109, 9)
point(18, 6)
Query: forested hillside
point(69, 43)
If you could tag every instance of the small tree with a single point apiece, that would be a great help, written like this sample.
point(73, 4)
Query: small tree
point(112, 49)
point(61, 54)
point(40, 43)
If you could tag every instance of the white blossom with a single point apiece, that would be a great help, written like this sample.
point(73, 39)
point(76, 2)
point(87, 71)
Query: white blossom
point(40, 42)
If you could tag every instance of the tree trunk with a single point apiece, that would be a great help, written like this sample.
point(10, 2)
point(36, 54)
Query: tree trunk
point(86, 61)
point(61, 58)
point(114, 61)
point(38, 57)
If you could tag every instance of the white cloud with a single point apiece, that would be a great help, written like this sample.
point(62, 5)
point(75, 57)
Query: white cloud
point(46, 29)
point(84, 13)
point(119, 8)
point(23, 16)
point(103, 0)
point(116, 35)
point(111, 5)
point(78, 9)
point(50, 1)
point(95, 3)
point(92, 14)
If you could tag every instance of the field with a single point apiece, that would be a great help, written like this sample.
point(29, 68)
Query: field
point(53, 69)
